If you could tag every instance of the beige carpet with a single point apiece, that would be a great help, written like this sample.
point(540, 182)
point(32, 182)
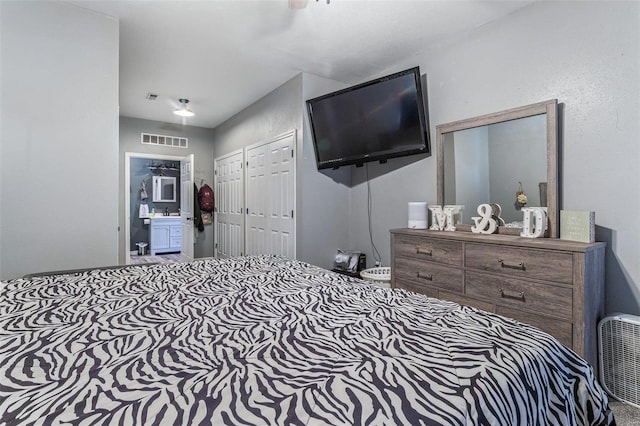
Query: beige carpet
point(625, 414)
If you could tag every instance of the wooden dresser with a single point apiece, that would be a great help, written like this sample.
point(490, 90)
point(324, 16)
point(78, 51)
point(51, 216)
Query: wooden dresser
point(555, 285)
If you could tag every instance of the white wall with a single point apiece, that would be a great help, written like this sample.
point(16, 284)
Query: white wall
point(59, 138)
point(585, 54)
point(200, 145)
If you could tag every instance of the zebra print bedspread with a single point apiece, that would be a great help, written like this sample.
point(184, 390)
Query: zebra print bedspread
point(271, 341)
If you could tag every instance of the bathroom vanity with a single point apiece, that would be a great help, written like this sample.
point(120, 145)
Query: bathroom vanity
point(165, 235)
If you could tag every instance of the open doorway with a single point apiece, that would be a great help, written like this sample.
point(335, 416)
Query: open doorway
point(158, 208)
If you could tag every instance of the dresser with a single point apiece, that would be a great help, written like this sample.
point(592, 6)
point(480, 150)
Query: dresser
point(555, 285)
point(165, 234)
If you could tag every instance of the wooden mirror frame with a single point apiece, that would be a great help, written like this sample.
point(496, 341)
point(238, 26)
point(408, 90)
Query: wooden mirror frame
point(550, 108)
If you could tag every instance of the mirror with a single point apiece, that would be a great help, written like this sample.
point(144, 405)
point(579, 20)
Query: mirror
point(164, 189)
point(492, 158)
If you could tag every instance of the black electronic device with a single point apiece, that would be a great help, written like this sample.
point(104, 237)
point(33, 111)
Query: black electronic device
point(350, 261)
point(372, 121)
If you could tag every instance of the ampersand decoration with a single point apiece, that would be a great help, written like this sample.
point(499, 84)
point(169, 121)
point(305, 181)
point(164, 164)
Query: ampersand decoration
point(485, 224)
point(496, 212)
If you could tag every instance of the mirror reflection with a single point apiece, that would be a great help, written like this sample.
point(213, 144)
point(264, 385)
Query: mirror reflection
point(495, 163)
point(164, 189)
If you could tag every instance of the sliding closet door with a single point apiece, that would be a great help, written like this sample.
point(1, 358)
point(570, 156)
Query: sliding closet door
point(271, 197)
point(229, 190)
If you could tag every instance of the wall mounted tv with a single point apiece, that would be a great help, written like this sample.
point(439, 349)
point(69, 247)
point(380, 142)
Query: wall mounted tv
point(372, 121)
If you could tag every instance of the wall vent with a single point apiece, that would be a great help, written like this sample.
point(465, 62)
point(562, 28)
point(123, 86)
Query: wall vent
point(619, 337)
point(152, 96)
point(163, 140)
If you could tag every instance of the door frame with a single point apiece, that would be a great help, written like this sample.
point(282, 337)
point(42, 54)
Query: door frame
point(127, 191)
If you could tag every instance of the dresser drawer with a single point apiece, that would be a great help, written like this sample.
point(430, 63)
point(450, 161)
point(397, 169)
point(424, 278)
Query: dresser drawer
point(464, 300)
point(521, 262)
point(561, 330)
point(416, 288)
point(428, 274)
point(546, 299)
point(449, 252)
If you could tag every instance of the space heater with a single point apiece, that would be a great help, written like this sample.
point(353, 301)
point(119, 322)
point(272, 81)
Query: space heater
point(619, 338)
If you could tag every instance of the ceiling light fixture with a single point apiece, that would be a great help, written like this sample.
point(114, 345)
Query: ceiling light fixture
point(183, 111)
point(301, 4)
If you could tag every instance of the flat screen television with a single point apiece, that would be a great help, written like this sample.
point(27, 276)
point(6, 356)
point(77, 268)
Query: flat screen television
point(372, 121)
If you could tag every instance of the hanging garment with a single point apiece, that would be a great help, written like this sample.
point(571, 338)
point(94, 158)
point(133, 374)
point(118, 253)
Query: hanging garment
point(143, 190)
point(197, 214)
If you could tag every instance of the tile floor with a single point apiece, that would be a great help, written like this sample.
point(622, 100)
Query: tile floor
point(159, 258)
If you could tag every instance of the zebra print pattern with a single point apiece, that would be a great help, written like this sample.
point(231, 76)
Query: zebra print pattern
point(271, 341)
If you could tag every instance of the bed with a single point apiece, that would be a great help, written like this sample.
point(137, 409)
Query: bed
point(266, 340)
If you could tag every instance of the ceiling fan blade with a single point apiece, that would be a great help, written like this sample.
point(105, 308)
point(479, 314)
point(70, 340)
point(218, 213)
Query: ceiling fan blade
point(297, 4)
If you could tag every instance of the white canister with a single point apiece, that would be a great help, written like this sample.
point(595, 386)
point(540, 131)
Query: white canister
point(418, 215)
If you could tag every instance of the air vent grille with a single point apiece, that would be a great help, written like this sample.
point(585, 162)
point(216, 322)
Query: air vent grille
point(163, 140)
point(619, 337)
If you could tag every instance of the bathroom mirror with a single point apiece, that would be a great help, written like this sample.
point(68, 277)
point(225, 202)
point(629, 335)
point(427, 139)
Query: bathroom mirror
point(491, 158)
point(164, 189)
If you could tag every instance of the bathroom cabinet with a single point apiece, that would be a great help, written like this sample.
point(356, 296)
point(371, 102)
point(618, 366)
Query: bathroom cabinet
point(165, 235)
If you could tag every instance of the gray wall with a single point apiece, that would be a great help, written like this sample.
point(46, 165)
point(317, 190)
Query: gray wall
point(322, 199)
point(323, 222)
point(59, 138)
point(275, 113)
point(473, 184)
point(200, 144)
point(545, 51)
point(518, 153)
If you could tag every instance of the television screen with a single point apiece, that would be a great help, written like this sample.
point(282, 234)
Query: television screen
point(372, 121)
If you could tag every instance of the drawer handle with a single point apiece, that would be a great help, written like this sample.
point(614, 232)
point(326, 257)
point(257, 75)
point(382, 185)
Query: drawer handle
point(511, 295)
point(428, 277)
point(511, 265)
point(420, 250)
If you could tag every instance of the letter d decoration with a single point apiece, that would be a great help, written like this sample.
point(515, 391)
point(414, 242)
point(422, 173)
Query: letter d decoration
point(534, 222)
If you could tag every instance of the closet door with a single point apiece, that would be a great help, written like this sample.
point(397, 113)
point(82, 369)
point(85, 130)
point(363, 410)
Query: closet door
point(280, 223)
point(271, 197)
point(229, 214)
point(257, 195)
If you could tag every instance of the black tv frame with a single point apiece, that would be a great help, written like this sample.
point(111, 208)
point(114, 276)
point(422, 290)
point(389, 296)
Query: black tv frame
point(384, 156)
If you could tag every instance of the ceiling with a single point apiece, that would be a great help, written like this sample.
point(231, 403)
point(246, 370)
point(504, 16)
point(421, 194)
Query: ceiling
point(224, 55)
